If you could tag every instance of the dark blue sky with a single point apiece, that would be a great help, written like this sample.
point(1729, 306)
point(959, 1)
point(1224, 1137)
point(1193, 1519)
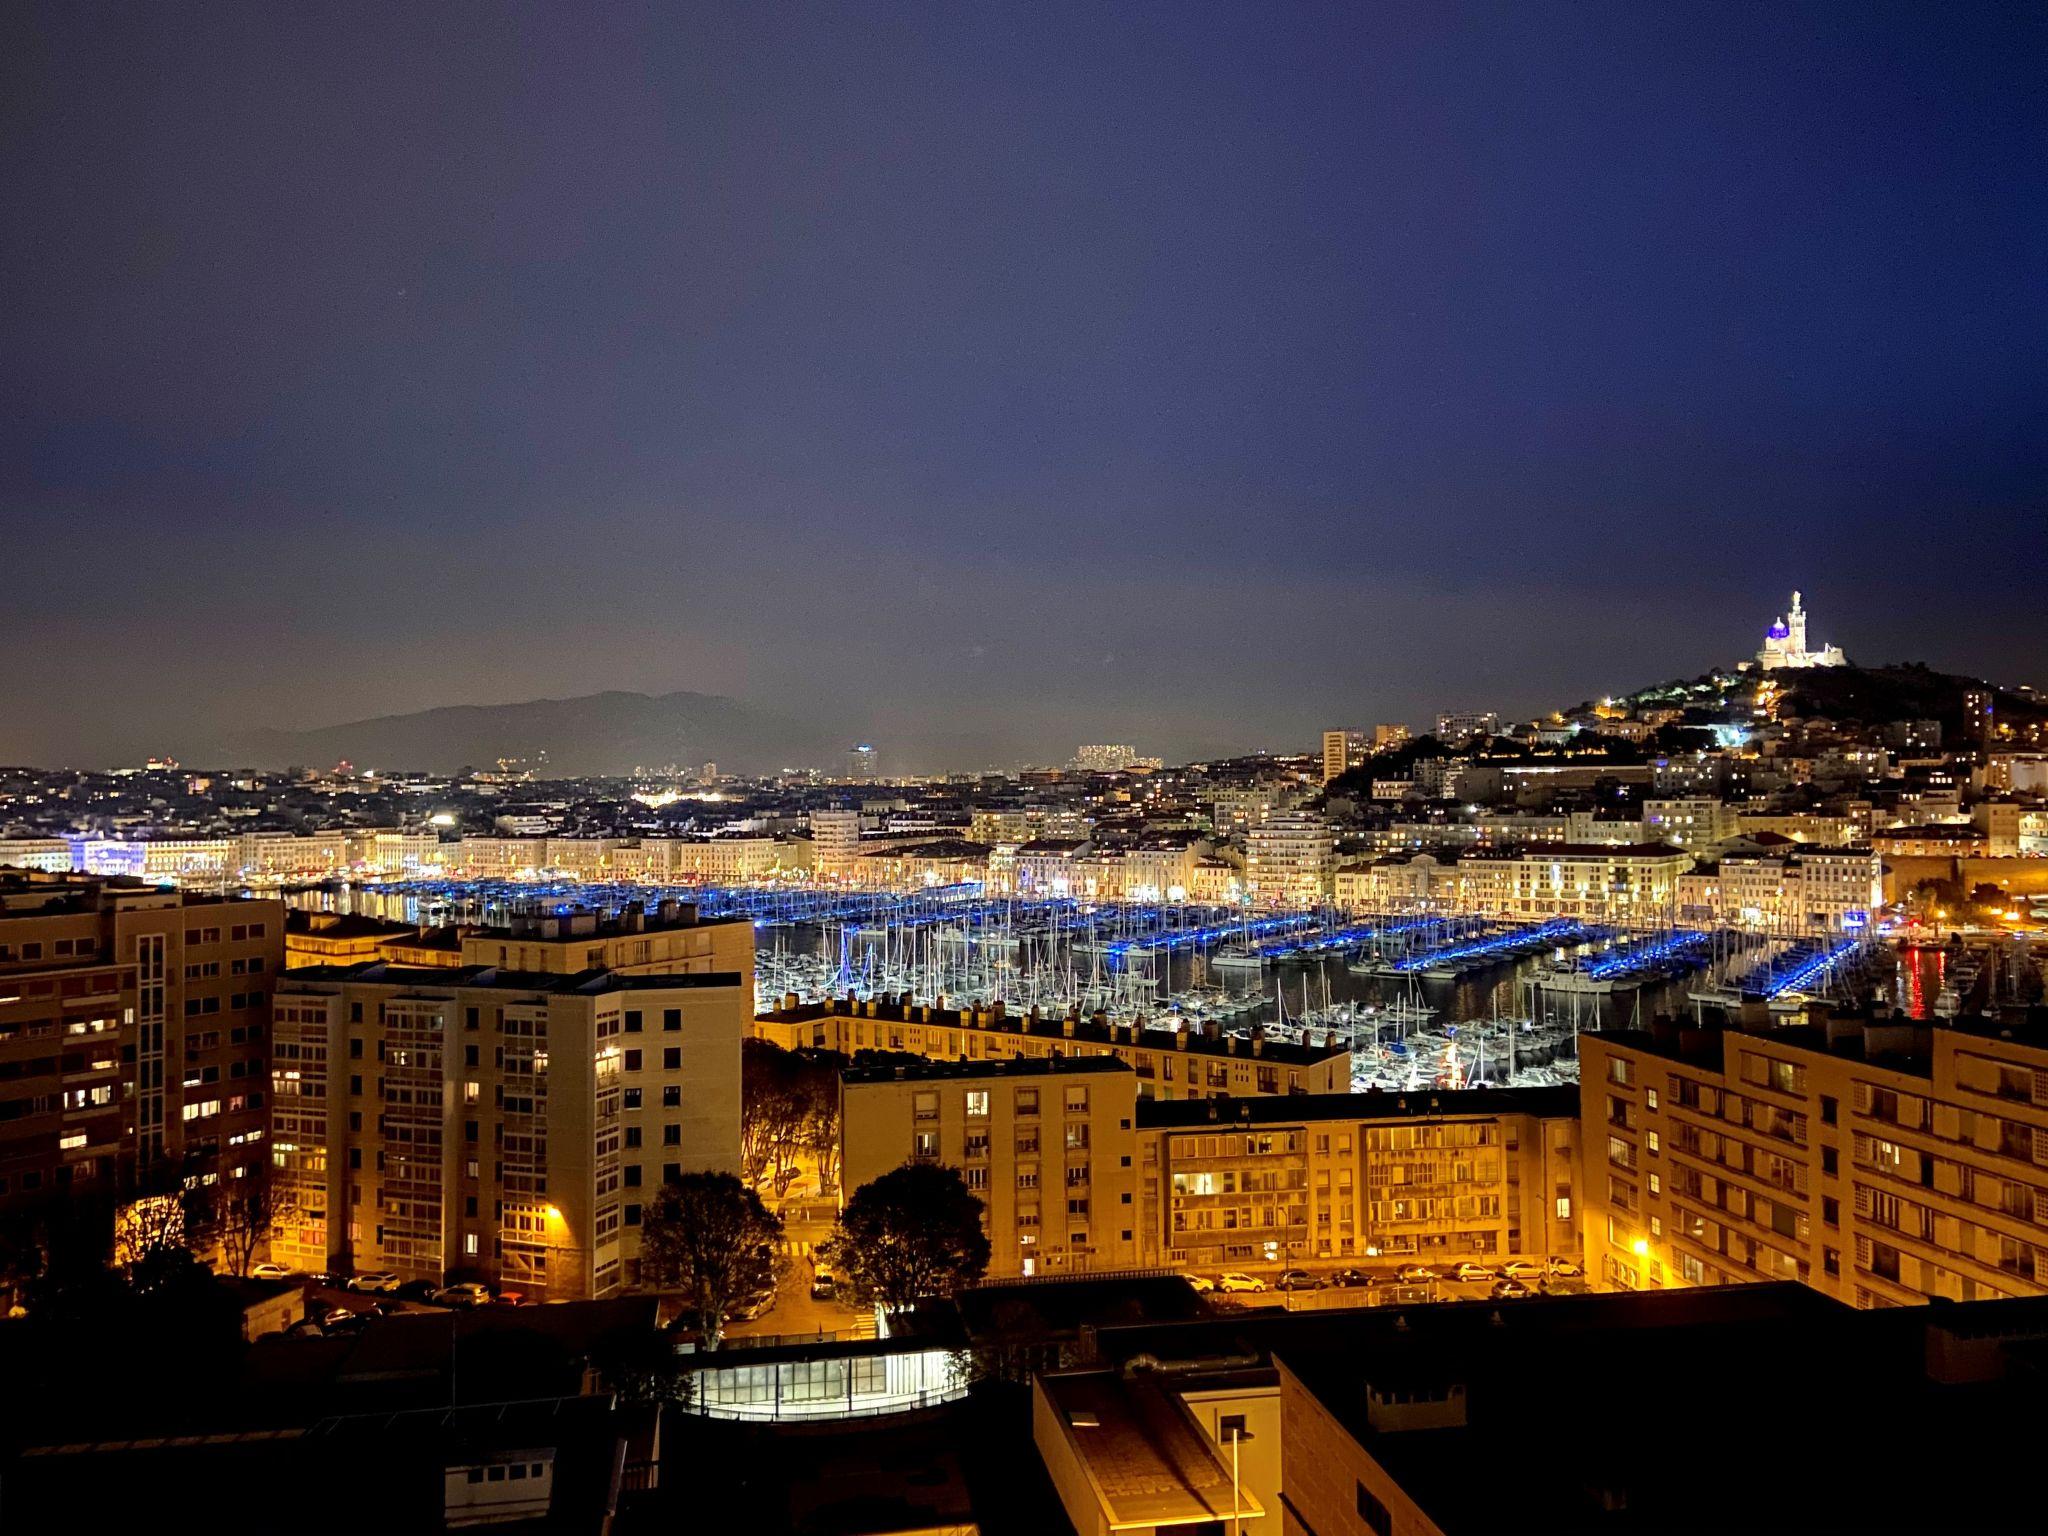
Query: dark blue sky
point(1190, 374)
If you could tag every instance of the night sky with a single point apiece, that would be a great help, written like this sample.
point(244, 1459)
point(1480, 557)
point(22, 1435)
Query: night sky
point(1184, 374)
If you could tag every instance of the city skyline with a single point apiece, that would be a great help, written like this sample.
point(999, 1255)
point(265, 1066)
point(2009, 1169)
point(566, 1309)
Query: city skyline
point(1071, 380)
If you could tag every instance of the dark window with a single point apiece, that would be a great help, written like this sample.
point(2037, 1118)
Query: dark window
point(469, 1056)
point(1827, 1160)
point(632, 1061)
point(671, 1018)
point(632, 1135)
point(1831, 1210)
point(1827, 1110)
point(1231, 1427)
point(672, 1097)
point(632, 1021)
point(632, 1175)
point(671, 1059)
point(632, 1215)
point(1374, 1513)
point(632, 1098)
point(671, 1135)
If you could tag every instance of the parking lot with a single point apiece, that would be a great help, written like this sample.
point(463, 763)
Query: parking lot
point(1378, 1283)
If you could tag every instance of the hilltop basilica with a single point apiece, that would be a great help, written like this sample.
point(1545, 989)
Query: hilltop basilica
point(1785, 644)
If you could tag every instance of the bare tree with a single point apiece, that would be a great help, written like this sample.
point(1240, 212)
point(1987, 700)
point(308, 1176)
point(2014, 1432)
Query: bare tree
point(246, 1210)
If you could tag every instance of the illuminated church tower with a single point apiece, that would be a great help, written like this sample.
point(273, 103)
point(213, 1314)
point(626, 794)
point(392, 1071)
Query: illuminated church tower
point(1785, 644)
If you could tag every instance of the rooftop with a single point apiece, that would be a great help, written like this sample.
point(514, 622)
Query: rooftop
point(1089, 1031)
point(1452, 1400)
point(1149, 1461)
point(383, 973)
point(1300, 1108)
point(922, 1069)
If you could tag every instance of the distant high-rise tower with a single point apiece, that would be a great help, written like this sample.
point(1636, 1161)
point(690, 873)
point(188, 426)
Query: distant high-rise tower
point(860, 763)
point(1342, 750)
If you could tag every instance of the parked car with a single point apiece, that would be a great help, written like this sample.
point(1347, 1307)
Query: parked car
point(268, 1271)
point(1508, 1290)
point(508, 1299)
point(1414, 1274)
point(342, 1320)
point(1297, 1280)
point(1350, 1277)
point(417, 1290)
point(753, 1305)
point(1200, 1282)
point(1471, 1271)
point(1566, 1267)
point(1234, 1281)
point(1523, 1269)
point(379, 1282)
point(466, 1294)
point(824, 1286)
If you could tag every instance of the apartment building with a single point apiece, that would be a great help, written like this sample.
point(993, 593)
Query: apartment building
point(1799, 889)
point(1288, 859)
point(51, 855)
point(1343, 750)
point(506, 1118)
point(1048, 1146)
point(1870, 1157)
point(1693, 823)
point(1601, 883)
point(1479, 1173)
point(134, 1031)
point(1168, 1063)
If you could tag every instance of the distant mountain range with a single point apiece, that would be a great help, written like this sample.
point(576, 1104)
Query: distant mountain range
point(599, 733)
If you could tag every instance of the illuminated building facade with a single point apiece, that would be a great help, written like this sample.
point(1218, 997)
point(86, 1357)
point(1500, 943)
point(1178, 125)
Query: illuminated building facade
point(134, 1031)
point(1047, 1146)
point(1482, 1174)
point(1785, 644)
point(507, 1117)
point(1872, 1158)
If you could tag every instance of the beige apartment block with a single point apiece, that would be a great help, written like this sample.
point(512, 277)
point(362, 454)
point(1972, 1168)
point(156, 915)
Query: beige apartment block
point(504, 1123)
point(1047, 1146)
point(1484, 1174)
point(1873, 1158)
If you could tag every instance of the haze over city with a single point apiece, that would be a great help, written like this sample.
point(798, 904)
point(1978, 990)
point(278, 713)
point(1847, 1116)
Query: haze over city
point(986, 382)
point(1212, 769)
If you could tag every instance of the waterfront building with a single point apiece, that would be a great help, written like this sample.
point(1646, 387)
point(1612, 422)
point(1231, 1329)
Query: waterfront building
point(1288, 859)
point(1871, 1157)
point(50, 855)
point(134, 1031)
point(1597, 882)
point(507, 1117)
point(1799, 888)
point(1169, 1063)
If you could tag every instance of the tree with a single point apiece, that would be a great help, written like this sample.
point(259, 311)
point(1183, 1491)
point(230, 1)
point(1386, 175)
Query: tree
point(244, 1211)
point(912, 1233)
point(771, 1106)
point(708, 1236)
